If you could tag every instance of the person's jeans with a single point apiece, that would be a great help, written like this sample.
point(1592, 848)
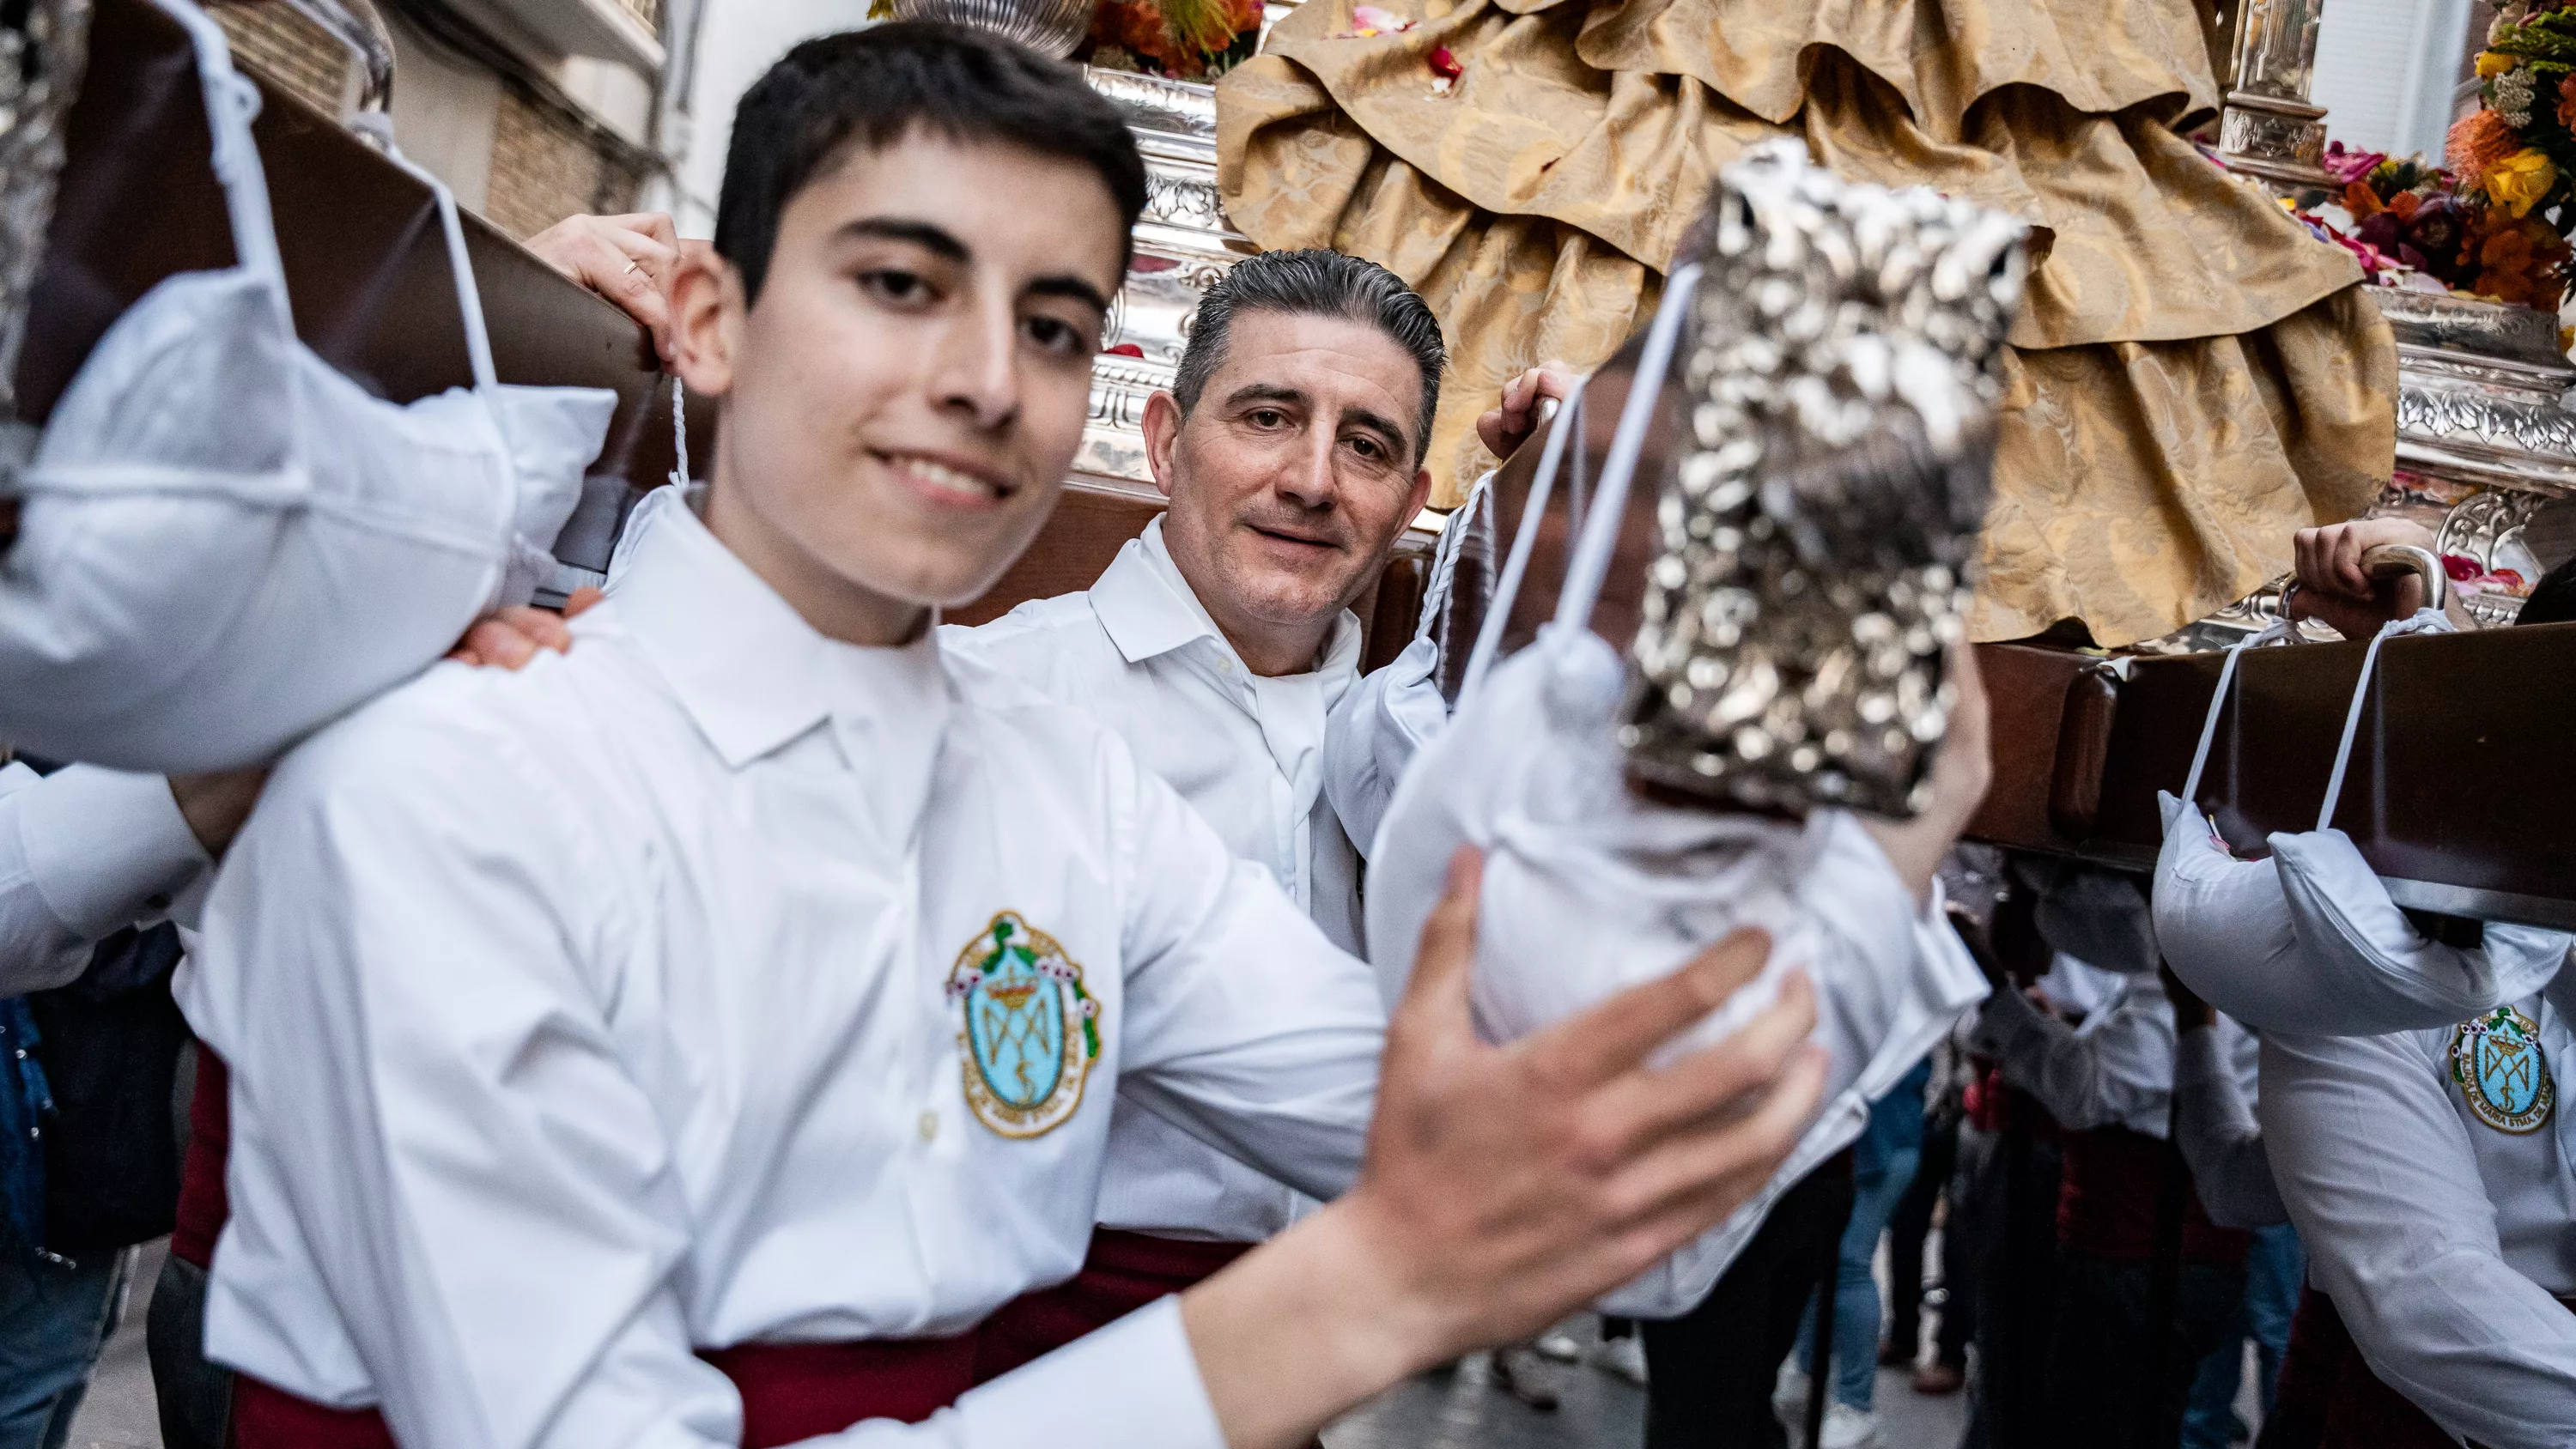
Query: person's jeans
point(2100, 1391)
point(2275, 1268)
point(1883, 1165)
point(55, 1316)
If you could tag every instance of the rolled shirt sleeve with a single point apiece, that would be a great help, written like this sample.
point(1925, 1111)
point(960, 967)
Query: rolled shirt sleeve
point(84, 853)
point(2377, 1170)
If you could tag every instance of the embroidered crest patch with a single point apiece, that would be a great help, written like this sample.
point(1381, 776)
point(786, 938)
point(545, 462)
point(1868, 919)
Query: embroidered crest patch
point(2497, 1061)
point(1027, 1030)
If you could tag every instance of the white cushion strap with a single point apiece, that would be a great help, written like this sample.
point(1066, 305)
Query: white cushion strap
point(1498, 607)
point(2423, 621)
point(2279, 631)
point(1600, 536)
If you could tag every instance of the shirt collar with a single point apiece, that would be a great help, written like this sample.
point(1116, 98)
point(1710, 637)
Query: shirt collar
point(1147, 608)
point(749, 670)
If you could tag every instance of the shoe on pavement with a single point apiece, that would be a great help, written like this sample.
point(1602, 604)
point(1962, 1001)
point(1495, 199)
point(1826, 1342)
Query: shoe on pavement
point(1848, 1428)
point(1937, 1378)
point(1625, 1357)
point(1521, 1373)
point(1559, 1347)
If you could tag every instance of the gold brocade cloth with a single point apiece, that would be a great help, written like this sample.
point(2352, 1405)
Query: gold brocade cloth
point(2193, 378)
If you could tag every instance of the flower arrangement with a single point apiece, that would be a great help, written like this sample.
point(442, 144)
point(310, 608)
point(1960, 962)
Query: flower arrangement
point(1183, 39)
point(2492, 220)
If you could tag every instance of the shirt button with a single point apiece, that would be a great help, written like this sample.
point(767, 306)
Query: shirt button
point(929, 1126)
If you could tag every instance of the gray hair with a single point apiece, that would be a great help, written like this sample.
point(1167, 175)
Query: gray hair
point(1315, 284)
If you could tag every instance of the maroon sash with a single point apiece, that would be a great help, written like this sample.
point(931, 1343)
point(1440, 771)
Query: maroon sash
point(790, 1391)
point(1122, 1273)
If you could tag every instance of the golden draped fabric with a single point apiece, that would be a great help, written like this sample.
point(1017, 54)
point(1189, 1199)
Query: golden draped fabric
point(2193, 376)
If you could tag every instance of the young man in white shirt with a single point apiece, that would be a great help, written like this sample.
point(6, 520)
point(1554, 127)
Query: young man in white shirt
point(686, 1040)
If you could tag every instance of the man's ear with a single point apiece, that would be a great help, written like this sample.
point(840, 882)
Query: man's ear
point(1420, 495)
point(707, 313)
point(1162, 437)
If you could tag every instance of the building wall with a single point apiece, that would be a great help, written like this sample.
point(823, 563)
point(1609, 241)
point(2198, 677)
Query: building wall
point(735, 42)
point(290, 50)
point(546, 166)
point(522, 158)
point(2386, 70)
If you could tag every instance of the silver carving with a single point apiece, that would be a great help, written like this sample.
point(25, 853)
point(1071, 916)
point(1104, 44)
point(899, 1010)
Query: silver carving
point(1838, 375)
point(42, 55)
point(2481, 389)
point(1050, 27)
point(2269, 129)
point(1183, 244)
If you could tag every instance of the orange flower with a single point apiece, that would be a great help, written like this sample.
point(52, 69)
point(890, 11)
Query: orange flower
point(2361, 201)
point(2477, 142)
point(2405, 204)
point(2567, 100)
point(2520, 260)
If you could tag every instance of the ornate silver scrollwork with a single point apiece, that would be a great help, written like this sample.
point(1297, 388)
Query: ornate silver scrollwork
point(1183, 244)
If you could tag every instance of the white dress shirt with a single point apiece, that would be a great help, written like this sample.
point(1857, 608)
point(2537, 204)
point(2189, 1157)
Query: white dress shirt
point(2442, 1240)
point(84, 853)
point(1139, 652)
point(2115, 1070)
point(634, 1002)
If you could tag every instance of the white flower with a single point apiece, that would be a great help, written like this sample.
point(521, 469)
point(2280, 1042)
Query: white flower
point(2513, 91)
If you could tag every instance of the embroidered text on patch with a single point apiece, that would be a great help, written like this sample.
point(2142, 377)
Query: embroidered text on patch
point(1027, 1030)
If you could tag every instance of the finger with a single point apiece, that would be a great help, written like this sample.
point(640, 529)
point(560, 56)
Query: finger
point(1711, 1084)
point(1435, 1000)
point(579, 601)
point(495, 643)
point(655, 224)
point(1690, 1182)
point(1491, 432)
point(1588, 1049)
point(542, 628)
point(2304, 560)
point(2348, 570)
point(647, 254)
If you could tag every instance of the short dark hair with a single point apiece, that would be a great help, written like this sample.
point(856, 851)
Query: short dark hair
point(872, 86)
point(1315, 284)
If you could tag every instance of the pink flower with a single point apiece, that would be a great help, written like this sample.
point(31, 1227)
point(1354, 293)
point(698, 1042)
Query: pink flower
point(2460, 567)
point(2347, 167)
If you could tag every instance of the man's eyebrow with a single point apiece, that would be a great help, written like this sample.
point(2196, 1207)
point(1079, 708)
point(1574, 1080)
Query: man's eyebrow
point(1066, 284)
point(1265, 392)
point(929, 236)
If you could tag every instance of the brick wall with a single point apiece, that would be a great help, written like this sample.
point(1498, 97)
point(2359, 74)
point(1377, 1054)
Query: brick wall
point(288, 49)
point(547, 166)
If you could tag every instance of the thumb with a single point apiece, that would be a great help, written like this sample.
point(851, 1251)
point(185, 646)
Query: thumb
point(1436, 997)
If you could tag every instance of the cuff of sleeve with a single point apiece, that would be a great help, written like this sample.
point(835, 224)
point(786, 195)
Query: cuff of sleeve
point(1132, 1385)
point(106, 848)
point(2008, 1028)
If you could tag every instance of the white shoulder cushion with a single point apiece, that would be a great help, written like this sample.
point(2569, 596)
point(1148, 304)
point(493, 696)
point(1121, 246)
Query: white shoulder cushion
point(2375, 972)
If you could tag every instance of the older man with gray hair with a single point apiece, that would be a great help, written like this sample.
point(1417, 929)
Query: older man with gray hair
point(1291, 449)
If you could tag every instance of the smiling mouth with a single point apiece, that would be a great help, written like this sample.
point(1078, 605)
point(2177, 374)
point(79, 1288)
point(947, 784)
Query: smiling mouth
point(947, 480)
point(1294, 538)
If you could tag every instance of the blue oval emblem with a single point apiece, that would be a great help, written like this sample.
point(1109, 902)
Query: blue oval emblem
point(2501, 1071)
point(1028, 1030)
